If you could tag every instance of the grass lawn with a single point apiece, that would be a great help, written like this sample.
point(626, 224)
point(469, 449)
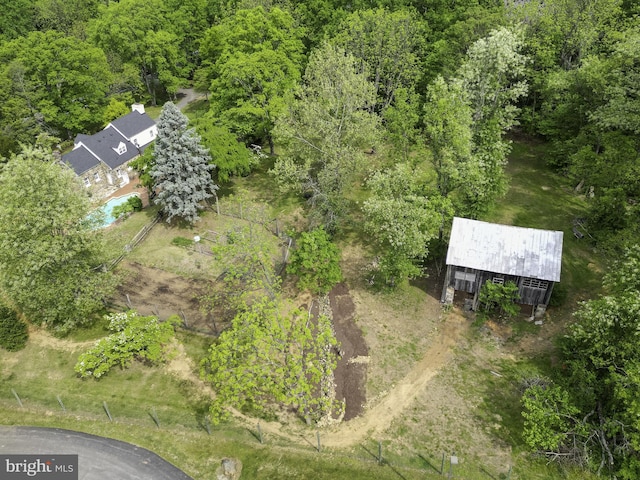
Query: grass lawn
point(467, 409)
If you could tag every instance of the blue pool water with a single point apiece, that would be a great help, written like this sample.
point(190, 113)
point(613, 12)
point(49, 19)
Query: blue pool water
point(107, 208)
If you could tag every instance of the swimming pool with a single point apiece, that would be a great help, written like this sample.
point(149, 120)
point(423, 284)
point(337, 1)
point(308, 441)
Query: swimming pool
point(107, 208)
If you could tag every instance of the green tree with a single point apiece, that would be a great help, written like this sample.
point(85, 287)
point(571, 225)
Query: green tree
point(253, 59)
point(401, 120)
point(324, 134)
point(549, 417)
point(390, 43)
point(316, 262)
point(447, 127)
point(247, 259)
point(115, 109)
point(231, 157)
point(67, 16)
point(143, 49)
point(593, 414)
point(402, 219)
point(42, 78)
point(17, 18)
point(50, 255)
point(492, 77)
point(499, 298)
point(269, 359)
point(182, 167)
point(144, 166)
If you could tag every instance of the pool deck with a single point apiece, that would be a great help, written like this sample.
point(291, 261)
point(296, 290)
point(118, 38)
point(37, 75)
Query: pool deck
point(132, 187)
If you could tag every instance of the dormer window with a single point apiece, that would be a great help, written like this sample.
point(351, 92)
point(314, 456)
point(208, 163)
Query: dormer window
point(122, 148)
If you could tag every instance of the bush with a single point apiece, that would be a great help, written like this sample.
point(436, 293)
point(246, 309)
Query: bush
point(13, 331)
point(135, 337)
point(133, 204)
point(498, 298)
point(558, 295)
point(182, 242)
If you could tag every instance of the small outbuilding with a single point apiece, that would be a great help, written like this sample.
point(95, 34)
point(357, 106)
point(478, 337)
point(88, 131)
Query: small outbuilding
point(481, 251)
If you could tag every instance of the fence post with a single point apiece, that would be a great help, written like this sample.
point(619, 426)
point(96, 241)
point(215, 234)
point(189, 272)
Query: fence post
point(154, 417)
point(259, 433)
point(61, 404)
point(442, 465)
point(15, 394)
point(509, 472)
point(379, 453)
point(318, 436)
point(106, 409)
point(207, 424)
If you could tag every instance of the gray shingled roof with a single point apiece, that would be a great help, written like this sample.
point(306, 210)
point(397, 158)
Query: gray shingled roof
point(80, 160)
point(519, 251)
point(103, 144)
point(133, 123)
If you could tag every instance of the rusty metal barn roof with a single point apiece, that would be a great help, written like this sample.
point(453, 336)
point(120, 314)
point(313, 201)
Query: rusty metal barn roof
point(526, 252)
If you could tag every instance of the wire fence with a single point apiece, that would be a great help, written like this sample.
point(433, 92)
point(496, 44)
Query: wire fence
point(405, 463)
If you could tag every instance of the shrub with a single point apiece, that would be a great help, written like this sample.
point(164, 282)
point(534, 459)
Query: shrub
point(495, 297)
point(13, 331)
point(133, 204)
point(135, 337)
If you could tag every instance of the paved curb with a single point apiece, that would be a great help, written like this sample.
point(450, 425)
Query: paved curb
point(99, 458)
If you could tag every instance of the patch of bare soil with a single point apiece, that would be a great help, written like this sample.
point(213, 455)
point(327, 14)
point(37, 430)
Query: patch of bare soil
point(151, 291)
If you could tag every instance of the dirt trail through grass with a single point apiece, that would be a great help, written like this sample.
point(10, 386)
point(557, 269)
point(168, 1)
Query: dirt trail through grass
point(379, 417)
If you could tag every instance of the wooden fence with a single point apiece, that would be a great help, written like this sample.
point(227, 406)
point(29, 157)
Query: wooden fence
point(140, 236)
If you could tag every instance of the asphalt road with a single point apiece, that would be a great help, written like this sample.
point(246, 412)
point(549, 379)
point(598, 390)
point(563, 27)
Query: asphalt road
point(99, 458)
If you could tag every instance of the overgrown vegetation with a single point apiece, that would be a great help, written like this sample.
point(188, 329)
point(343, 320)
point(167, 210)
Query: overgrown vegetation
point(499, 298)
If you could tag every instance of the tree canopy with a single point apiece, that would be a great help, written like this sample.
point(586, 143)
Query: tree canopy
point(325, 132)
point(50, 252)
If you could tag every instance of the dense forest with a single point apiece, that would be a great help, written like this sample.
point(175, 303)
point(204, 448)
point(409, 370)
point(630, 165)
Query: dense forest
point(438, 87)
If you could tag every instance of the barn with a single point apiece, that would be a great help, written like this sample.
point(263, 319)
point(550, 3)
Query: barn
point(481, 251)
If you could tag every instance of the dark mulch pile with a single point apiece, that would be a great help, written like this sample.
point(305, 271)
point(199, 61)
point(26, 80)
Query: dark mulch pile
point(350, 378)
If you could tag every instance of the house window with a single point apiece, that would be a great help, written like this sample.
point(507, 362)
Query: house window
point(498, 280)
point(96, 177)
point(465, 276)
point(87, 182)
point(119, 173)
point(535, 283)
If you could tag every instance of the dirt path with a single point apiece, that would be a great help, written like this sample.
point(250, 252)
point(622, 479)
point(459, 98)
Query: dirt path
point(379, 417)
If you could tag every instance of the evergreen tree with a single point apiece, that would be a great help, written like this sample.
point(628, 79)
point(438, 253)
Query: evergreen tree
point(182, 167)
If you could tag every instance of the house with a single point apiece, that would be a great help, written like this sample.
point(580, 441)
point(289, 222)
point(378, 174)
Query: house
point(101, 160)
point(482, 252)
